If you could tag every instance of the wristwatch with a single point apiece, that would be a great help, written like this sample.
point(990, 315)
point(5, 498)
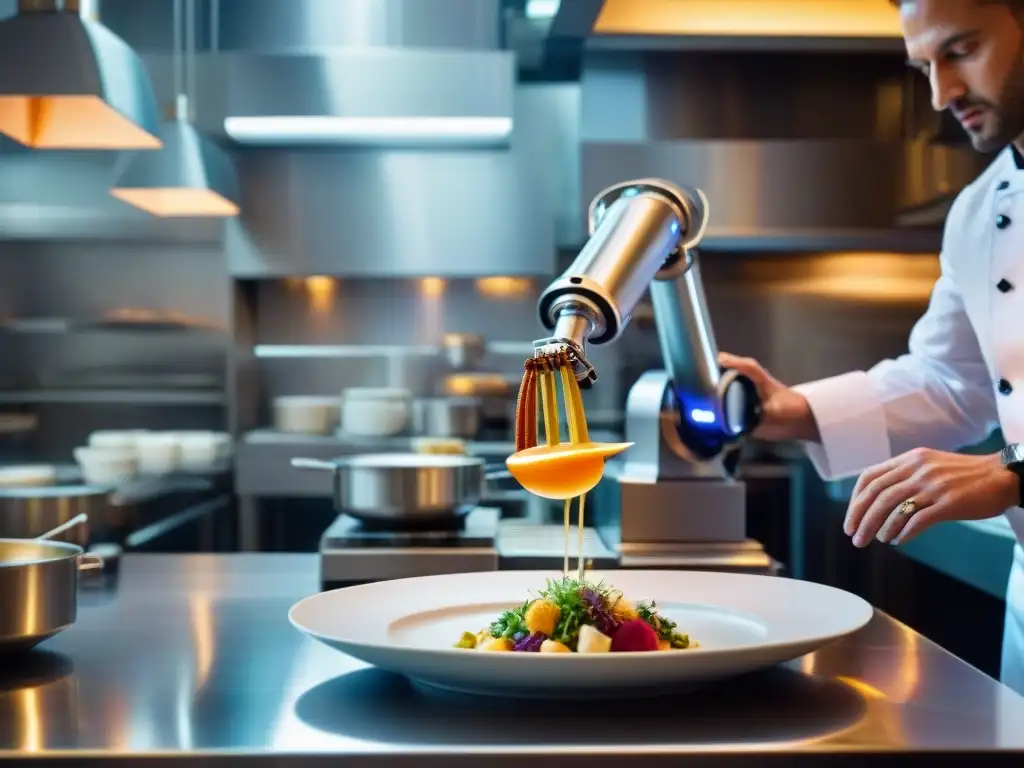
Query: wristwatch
point(1012, 457)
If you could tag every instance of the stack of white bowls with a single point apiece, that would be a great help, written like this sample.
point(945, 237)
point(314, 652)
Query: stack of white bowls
point(116, 457)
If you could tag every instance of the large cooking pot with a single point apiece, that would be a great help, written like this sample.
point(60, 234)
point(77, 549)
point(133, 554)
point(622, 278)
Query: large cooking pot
point(28, 512)
point(39, 584)
point(406, 487)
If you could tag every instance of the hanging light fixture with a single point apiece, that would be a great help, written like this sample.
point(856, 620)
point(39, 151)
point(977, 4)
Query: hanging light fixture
point(190, 175)
point(68, 82)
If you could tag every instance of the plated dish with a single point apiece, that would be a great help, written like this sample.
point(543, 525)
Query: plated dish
point(742, 623)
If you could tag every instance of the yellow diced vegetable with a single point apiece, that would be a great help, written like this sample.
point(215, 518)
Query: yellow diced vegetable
point(553, 646)
point(468, 640)
point(664, 645)
point(541, 617)
point(593, 641)
point(497, 644)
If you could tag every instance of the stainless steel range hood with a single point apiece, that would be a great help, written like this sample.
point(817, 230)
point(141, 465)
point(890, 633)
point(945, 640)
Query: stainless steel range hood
point(403, 108)
point(368, 73)
point(372, 98)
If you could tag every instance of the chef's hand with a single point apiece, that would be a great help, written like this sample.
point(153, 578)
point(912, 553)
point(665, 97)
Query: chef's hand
point(785, 414)
point(943, 486)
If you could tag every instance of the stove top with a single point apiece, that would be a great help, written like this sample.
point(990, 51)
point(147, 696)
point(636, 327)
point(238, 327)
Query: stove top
point(352, 552)
point(477, 528)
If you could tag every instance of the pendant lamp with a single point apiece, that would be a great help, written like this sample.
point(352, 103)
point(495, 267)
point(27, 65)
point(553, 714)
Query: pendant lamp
point(68, 82)
point(190, 175)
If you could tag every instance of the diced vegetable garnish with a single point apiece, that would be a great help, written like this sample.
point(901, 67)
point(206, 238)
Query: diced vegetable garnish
point(541, 617)
point(593, 641)
point(635, 635)
point(573, 616)
point(468, 640)
point(553, 646)
point(497, 644)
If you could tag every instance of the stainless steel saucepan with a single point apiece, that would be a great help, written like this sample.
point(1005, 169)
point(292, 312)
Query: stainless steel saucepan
point(407, 487)
point(39, 584)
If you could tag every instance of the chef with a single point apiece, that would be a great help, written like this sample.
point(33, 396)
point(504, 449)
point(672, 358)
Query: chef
point(898, 423)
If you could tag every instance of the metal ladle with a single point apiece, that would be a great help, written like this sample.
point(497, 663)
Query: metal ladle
point(74, 522)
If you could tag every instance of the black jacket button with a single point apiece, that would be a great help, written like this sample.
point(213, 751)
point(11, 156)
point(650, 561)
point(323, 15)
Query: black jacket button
point(1002, 221)
point(1003, 185)
point(1004, 286)
point(1004, 387)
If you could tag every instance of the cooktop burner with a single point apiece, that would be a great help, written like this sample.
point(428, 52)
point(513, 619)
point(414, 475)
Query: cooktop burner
point(352, 552)
point(477, 528)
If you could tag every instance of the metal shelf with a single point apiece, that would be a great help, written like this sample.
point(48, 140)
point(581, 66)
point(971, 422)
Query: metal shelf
point(110, 396)
point(924, 241)
point(65, 325)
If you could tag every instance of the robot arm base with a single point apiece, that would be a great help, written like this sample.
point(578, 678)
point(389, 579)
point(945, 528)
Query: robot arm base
point(679, 437)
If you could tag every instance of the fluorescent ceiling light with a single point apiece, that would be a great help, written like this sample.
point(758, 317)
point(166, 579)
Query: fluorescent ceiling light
point(542, 9)
point(67, 82)
point(368, 130)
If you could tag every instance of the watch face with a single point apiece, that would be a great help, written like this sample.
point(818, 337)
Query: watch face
point(1013, 454)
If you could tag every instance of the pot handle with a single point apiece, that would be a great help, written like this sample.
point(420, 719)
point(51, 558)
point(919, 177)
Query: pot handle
point(496, 472)
point(314, 464)
point(90, 562)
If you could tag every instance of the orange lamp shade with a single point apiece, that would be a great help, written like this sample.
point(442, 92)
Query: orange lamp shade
point(189, 176)
point(168, 202)
point(70, 122)
point(70, 83)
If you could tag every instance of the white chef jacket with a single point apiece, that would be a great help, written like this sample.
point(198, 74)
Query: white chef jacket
point(964, 372)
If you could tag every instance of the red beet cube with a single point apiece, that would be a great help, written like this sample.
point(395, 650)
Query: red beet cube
point(635, 635)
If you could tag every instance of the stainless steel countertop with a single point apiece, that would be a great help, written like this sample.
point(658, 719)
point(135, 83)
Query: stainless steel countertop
point(192, 658)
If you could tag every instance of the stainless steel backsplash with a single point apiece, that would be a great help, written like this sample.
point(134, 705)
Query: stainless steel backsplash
point(396, 322)
point(83, 379)
point(804, 316)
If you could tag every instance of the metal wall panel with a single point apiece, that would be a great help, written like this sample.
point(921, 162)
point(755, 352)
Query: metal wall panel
point(770, 188)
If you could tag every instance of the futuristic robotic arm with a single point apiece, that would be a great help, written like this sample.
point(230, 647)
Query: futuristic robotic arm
point(642, 237)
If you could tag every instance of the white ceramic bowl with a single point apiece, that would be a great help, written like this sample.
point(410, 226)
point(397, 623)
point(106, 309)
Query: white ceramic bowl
point(159, 452)
point(375, 412)
point(107, 466)
point(202, 451)
point(306, 414)
point(110, 438)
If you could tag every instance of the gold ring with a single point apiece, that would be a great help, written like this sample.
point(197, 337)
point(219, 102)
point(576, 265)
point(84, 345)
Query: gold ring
point(907, 508)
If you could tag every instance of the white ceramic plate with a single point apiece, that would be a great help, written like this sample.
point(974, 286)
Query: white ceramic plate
point(742, 623)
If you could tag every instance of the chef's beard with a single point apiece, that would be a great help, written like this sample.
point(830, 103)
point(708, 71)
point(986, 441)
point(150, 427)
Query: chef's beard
point(1008, 113)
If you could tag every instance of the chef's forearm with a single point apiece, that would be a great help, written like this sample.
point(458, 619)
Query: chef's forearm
point(842, 424)
point(804, 424)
